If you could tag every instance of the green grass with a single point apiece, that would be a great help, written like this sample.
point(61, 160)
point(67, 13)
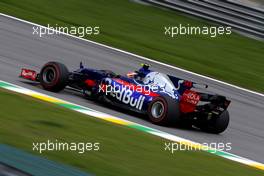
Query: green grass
point(123, 151)
point(140, 29)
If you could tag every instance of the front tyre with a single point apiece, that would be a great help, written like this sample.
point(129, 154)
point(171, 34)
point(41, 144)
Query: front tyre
point(54, 76)
point(217, 125)
point(164, 110)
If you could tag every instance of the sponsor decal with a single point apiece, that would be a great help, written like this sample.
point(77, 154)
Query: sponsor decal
point(125, 96)
point(191, 97)
point(189, 101)
point(143, 89)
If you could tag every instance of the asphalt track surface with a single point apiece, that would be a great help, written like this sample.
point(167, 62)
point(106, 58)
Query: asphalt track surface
point(19, 48)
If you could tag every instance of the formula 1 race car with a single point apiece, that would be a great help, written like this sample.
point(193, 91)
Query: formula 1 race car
point(165, 99)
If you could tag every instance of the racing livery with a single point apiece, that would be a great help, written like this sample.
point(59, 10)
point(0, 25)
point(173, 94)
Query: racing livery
point(163, 98)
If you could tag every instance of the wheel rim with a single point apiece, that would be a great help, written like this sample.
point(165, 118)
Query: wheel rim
point(157, 109)
point(49, 75)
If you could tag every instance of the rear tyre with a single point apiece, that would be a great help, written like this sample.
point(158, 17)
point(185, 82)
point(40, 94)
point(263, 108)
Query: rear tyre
point(164, 110)
point(217, 125)
point(54, 76)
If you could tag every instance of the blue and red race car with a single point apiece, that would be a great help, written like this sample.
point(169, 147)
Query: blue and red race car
point(165, 99)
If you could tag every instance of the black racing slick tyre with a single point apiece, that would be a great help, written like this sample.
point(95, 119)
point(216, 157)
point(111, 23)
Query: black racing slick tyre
point(164, 110)
point(54, 76)
point(217, 125)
